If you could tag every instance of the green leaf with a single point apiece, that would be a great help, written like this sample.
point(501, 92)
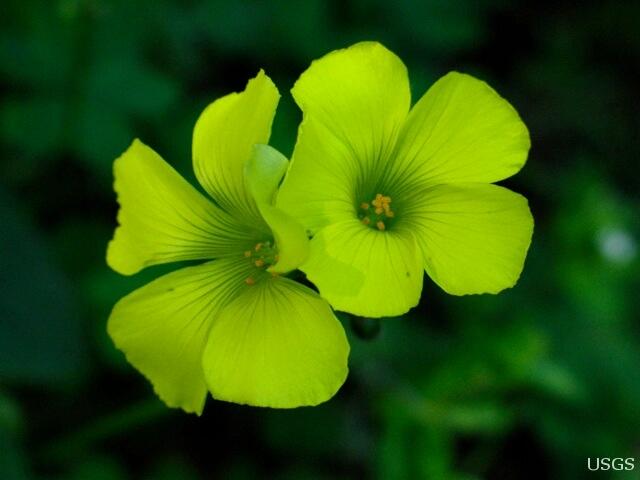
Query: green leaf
point(13, 464)
point(130, 88)
point(40, 332)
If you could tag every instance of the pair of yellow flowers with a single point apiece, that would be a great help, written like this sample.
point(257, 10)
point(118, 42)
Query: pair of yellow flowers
point(375, 193)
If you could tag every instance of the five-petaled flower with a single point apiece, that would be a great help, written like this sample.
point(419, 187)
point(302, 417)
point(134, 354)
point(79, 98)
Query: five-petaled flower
point(389, 191)
point(233, 325)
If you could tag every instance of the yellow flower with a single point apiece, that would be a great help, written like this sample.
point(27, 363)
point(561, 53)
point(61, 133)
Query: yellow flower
point(233, 326)
point(389, 191)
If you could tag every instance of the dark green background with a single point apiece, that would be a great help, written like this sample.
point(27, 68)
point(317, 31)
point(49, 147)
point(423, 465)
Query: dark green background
point(526, 384)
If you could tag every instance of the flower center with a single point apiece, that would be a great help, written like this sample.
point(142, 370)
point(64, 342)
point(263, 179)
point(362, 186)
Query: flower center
point(376, 212)
point(262, 256)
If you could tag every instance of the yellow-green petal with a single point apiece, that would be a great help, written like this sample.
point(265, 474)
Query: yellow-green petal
point(354, 102)
point(263, 173)
point(474, 237)
point(277, 345)
point(223, 141)
point(164, 219)
point(365, 271)
point(461, 130)
point(163, 327)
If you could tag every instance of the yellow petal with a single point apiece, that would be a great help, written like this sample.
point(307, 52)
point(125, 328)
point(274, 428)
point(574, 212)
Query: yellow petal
point(461, 130)
point(223, 139)
point(162, 327)
point(354, 102)
point(277, 345)
point(365, 271)
point(263, 172)
point(474, 237)
point(164, 219)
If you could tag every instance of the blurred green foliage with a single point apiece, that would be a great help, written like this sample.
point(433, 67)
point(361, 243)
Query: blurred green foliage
point(527, 384)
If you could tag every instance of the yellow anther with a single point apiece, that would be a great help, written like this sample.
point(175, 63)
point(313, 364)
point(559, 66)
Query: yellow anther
point(259, 263)
point(274, 274)
point(258, 246)
point(377, 210)
point(249, 281)
point(247, 253)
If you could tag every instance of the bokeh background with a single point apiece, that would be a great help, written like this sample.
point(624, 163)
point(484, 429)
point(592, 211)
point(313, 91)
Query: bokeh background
point(526, 384)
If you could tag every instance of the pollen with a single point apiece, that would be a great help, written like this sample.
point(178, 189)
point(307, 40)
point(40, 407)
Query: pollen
point(263, 255)
point(377, 211)
point(249, 281)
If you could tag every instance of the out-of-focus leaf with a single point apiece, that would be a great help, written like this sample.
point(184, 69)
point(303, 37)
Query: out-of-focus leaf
point(319, 431)
point(13, 464)
point(98, 468)
point(558, 381)
point(10, 414)
point(32, 125)
point(100, 135)
point(129, 87)
point(41, 337)
point(37, 49)
point(173, 468)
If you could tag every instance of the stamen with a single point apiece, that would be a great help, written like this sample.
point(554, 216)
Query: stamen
point(376, 211)
point(262, 255)
point(249, 281)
